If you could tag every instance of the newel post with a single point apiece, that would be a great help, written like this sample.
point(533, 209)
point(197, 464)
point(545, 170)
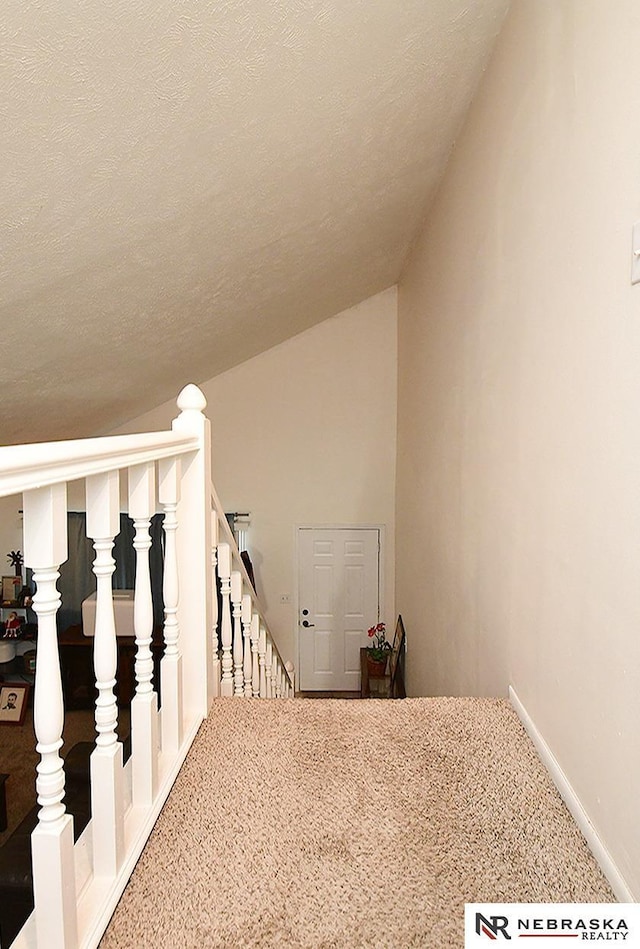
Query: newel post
point(290, 682)
point(194, 554)
point(45, 545)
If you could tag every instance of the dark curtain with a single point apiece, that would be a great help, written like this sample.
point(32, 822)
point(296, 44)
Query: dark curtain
point(77, 580)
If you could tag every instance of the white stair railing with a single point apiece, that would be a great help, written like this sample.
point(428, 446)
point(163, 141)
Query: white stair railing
point(244, 662)
point(77, 886)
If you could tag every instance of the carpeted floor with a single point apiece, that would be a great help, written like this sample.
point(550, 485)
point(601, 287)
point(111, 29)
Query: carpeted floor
point(332, 824)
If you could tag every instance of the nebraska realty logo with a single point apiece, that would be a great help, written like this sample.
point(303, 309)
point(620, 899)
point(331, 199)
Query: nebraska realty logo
point(593, 922)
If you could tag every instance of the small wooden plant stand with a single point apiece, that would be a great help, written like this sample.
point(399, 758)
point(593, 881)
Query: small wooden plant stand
point(391, 684)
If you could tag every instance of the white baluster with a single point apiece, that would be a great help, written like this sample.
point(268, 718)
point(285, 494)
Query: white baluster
point(275, 681)
point(262, 661)
point(255, 667)
point(45, 544)
point(144, 706)
point(236, 602)
point(268, 668)
point(107, 792)
point(217, 669)
point(291, 689)
point(247, 610)
point(169, 471)
point(224, 572)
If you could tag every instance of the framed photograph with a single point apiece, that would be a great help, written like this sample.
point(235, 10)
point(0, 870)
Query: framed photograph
point(11, 586)
point(396, 651)
point(13, 702)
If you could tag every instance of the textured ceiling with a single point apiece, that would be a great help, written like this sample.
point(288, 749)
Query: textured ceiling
point(184, 185)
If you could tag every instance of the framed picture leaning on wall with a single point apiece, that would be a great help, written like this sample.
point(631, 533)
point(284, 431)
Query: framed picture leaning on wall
point(396, 685)
point(10, 588)
point(13, 702)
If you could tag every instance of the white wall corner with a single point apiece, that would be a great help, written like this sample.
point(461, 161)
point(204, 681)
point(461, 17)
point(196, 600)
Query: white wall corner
point(574, 805)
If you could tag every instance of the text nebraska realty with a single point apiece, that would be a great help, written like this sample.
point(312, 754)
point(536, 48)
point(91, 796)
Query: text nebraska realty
point(599, 929)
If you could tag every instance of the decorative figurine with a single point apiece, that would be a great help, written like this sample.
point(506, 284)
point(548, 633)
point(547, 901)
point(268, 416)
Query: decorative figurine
point(12, 626)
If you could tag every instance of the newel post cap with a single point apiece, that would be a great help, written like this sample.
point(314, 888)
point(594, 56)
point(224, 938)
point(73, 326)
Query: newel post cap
point(192, 399)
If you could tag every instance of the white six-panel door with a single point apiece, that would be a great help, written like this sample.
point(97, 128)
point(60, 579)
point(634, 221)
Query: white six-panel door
point(338, 600)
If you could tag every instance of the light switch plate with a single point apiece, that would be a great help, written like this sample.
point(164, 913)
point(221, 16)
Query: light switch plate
point(635, 254)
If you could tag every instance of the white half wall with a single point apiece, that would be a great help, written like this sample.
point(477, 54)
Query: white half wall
point(305, 433)
point(518, 491)
point(573, 802)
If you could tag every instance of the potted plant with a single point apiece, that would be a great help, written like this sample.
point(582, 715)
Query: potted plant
point(378, 653)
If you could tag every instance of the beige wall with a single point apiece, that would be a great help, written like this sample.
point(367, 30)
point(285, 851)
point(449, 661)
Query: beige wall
point(10, 530)
point(305, 433)
point(518, 489)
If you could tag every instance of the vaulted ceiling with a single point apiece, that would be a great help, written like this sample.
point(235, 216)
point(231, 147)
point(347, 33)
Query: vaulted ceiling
point(184, 185)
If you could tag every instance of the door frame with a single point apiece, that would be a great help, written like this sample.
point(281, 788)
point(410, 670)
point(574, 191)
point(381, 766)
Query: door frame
point(296, 563)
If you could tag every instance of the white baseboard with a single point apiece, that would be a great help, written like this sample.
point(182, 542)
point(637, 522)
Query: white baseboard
point(571, 799)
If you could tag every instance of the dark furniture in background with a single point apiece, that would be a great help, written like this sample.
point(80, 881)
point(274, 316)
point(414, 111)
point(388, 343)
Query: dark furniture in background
point(16, 882)
point(76, 665)
point(3, 802)
point(365, 684)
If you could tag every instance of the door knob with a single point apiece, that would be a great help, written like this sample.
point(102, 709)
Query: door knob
point(306, 622)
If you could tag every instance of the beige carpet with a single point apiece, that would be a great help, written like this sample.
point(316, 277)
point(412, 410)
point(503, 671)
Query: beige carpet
point(323, 824)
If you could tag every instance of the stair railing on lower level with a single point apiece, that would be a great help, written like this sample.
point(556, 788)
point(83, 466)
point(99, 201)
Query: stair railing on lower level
point(77, 886)
point(250, 664)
